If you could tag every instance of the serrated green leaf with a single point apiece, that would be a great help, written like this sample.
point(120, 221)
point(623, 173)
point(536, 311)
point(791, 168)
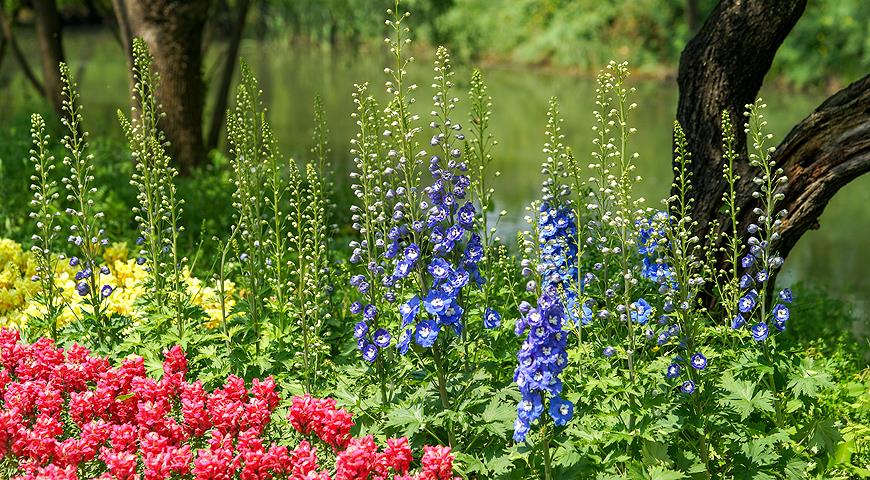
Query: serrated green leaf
point(743, 399)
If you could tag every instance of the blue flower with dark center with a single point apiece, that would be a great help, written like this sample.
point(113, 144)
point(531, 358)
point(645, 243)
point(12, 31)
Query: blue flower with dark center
point(382, 338)
point(440, 269)
point(761, 276)
point(409, 311)
point(106, 291)
point(404, 341)
point(370, 312)
point(360, 330)
point(426, 333)
point(688, 387)
point(436, 235)
point(785, 295)
point(355, 308)
point(699, 361)
point(491, 318)
point(437, 214)
point(370, 352)
point(640, 311)
point(465, 215)
point(437, 301)
point(454, 233)
point(459, 279)
point(780, 313)
point(760, 331)
point(673, 371)
point(561, 410)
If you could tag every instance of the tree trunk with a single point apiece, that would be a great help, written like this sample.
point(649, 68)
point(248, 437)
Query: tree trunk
point(222, 93)
point(49, 32)
point(693, 15)
point(173, 31)
point(722, 68)
point(9, 35)
point(2, 50)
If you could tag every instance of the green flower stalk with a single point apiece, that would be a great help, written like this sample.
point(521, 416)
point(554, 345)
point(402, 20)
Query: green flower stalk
point(86, 233)
point(45, 214)
point(159, 208)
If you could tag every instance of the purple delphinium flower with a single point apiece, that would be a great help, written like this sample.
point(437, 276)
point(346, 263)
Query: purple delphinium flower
point(760, 331)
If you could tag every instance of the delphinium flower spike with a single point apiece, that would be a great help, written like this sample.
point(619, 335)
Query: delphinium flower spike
point(245, 134)
point(681, 259)
point(45, 212)
point(158, 207)
point(86, 234)
point(550, 263)
point(370, 216)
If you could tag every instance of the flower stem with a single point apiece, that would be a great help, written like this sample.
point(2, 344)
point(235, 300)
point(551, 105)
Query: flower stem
point(442, 390)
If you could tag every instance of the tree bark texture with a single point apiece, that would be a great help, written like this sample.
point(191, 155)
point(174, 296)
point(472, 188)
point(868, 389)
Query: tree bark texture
point(722, 69)
point(49, 32)
point(173, 30)
point(219, 113)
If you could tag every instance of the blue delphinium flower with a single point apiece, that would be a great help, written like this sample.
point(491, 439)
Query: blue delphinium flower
point(82, 288)
point(608, 351)
point(370, 352)
point(561, 410)
point(541, 358)
point(106, 291)
point(426, 333)
point(738, 321)
point(641, 311)
point(785, 295)
point(747, 302)
point(360, 330)
point(405, 341)
point(673, 371)
point(382, 338)
point(760, 331)
point(491, 318)
point(688, 387)
point(699, 361)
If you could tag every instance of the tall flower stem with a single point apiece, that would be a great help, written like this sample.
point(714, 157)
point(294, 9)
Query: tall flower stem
point(442, 390)
point(545, 447)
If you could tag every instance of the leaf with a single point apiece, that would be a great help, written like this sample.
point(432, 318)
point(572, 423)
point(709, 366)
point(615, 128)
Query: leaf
point(410, 419)
point(656, 453)
point(743, 398)
point(825, 435)
point(807, 381)
point(662, 473)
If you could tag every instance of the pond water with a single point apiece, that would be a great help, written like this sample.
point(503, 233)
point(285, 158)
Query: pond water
point(834, 257)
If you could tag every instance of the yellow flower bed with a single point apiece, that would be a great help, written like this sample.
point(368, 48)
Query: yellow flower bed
point(17, 289)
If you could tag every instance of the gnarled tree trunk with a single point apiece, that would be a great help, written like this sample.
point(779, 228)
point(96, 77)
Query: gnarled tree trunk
point(722, 69)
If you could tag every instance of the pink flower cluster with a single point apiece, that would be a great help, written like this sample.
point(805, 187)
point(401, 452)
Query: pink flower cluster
point(66, 415)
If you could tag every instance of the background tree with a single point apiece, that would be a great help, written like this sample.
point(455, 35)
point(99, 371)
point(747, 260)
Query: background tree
point(722, 69)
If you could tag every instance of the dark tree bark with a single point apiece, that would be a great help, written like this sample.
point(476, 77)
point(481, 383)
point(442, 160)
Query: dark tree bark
point(693, 15)
point(173, 30)
point(722, 69)
point(9, 35)
point(49, 32)
point(222, 93)
point(2, 50)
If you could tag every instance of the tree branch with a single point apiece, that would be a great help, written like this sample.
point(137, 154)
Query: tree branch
point(9, 35)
